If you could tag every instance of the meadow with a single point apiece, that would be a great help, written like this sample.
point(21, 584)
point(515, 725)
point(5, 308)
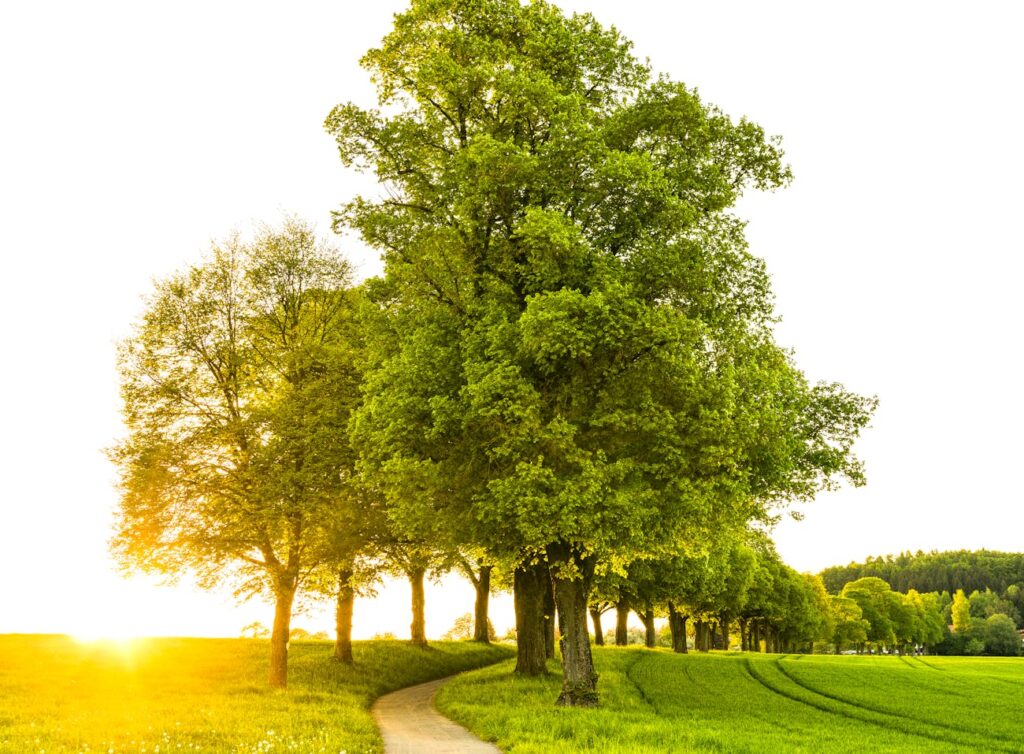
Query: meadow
point(656, 701)
point(153, 696)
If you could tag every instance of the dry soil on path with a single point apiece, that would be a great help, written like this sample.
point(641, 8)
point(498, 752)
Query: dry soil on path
point(410, 724)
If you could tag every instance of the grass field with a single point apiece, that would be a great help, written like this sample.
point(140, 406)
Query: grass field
point(155, 696)
point(655, 701)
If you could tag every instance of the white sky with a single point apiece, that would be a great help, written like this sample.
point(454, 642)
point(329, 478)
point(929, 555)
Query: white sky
point(131, 134)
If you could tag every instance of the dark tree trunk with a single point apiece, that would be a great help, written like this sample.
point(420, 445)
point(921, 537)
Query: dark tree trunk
point(595, 616)
point(650, 635)
point(549, 616)
point(279, 636)
point(418, 628)
point(677, 626)
point(757, 635)
point(527, 588)
point(743, 635)
point(483, 596)
point(700, 636)
point(343, 617)
point(621, 623)
point(579, 684)
point(724, 623)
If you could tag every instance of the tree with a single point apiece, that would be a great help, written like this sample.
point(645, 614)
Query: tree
point(961, 615)
point(255, 630)
point(235, 401)
point(1001, 637)
point(873, 597)
point(933, 626)
point(479, 576)
point(465, 628)
point(583, 365)
point(850, 626)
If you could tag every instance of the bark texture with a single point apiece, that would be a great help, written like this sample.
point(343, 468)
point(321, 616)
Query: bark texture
point(621, 623)
point(418, 628)
point(527, 588)
point(650, 635)
point(595, 616)
point(279, 636)
point(579, 684)
point(343, 617)
point(549, 616)
point(677, 626)
point(482, 584)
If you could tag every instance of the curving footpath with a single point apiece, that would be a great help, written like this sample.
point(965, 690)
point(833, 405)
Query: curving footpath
point(410, 724)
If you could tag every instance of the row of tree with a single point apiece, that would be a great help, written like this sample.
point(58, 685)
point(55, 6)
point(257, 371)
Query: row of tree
point(567, 372)
point(736, 594)
point(743, 597)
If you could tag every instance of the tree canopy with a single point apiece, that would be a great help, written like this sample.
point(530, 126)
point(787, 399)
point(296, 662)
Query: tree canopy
point(237, 386)
point(582, 364)
point(935, 571)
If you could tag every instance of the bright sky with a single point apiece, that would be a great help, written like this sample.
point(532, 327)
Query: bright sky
point(134, 133)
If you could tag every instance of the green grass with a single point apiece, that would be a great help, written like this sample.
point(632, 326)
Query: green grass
point(205, 695)
point(655, 701)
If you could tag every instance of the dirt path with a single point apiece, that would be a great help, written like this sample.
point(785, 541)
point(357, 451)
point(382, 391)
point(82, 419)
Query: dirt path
point(409, 724)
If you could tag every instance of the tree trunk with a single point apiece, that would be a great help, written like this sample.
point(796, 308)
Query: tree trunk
point(418, 628)
point(677, 626)
point(650, 636)
point(595, 616)
point(579, 685)
point(483, 595)
point(724, 623)
point(279, 636)
point(700, 636)
point(743, 635)
point(343, 616)
point(527, 589)
point(549, 616)
point(621, 623)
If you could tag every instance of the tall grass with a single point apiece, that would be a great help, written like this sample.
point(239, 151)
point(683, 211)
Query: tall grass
point(154, 696)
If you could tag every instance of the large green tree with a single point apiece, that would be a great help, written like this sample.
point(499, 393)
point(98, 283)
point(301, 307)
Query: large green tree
point(237, 387)
point(583, 364)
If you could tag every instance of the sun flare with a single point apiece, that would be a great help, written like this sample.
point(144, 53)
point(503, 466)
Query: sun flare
point(101, 635)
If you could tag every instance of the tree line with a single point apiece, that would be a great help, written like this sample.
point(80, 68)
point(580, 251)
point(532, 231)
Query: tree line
point(936, 571)
point(566, 380)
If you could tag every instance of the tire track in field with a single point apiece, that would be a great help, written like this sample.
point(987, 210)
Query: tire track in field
point(936, 668)
point(959, 730)
point(928, 664)
point(636, 684)
point(863, 715)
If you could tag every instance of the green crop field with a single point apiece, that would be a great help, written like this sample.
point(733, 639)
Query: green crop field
point(655, 701)
point(155, 696)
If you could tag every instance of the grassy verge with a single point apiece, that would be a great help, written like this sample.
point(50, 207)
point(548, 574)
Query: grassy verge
point(660, 702)
point(155, 696)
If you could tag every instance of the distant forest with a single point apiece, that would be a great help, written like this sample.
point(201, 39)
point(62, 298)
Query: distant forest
point(934, 571)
